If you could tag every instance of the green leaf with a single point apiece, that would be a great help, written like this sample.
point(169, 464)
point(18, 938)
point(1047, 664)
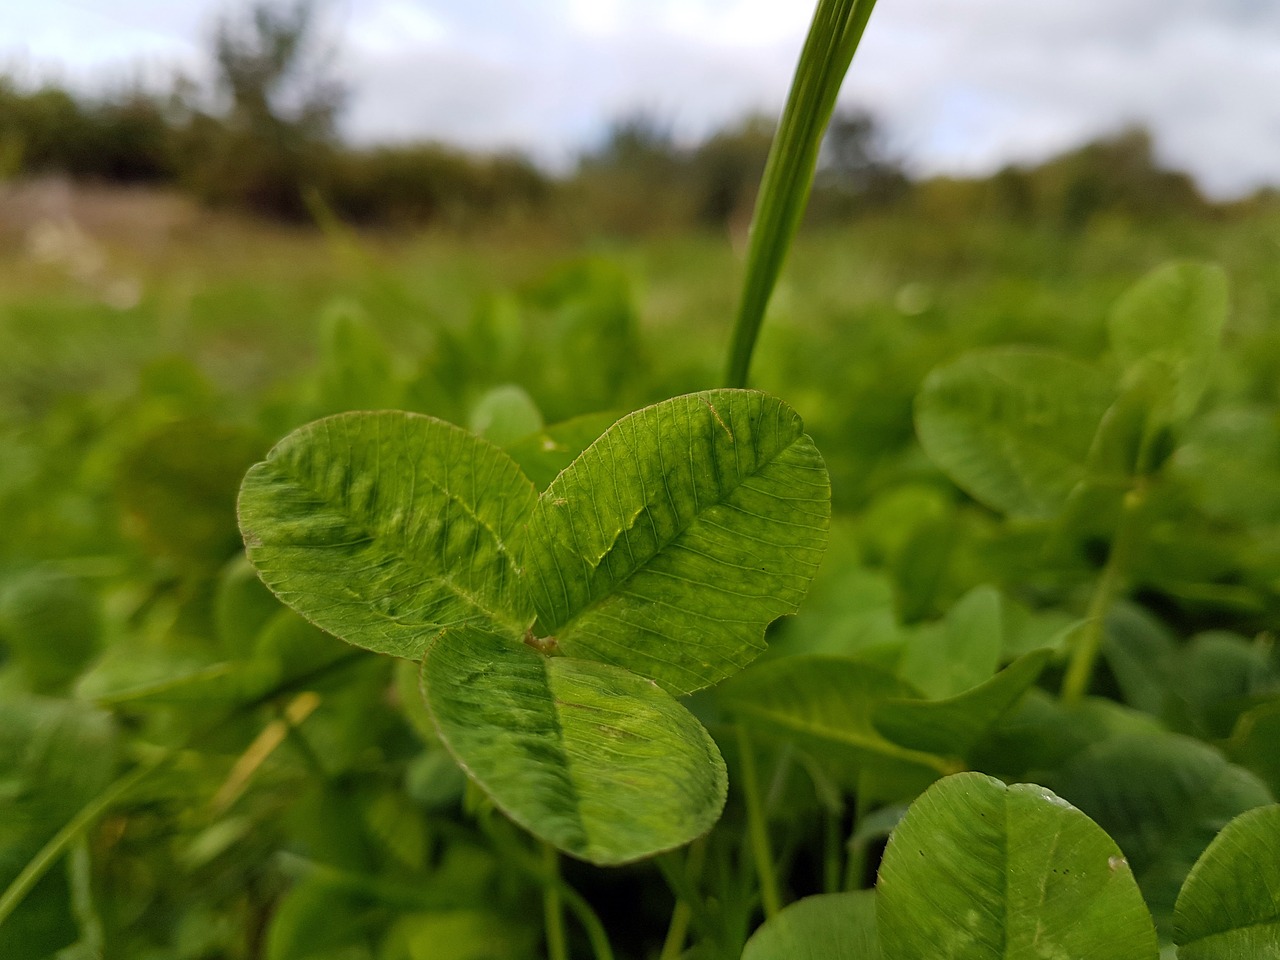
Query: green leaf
point(544, 454)
point(433, 779)
point(50, 624)
point(356, 368)
point(832, 926)
point(1166, 330)
point(825, 705)
point(242, 605)
point(384, 527)
point(1219, 676)
point(313, 919)
point(459, 935)
point(504, 415)
point(1253, 743)
point(591, 758)
point(177, 489)
point(849, 610)
point(1231, 460)
point(293, 648)
point(1229, 908)
point(56, 756)
point(1141, 652)
point(1013, 426)
point(922, 567)
point(1125, 446)
point(408, 692)
point(585, 351)
point(1026, 630)
point(951, 727)
point(961, 652)
point(160, 677)
point(853, 616)
point(1041, 734)
point(1163, 798)
point(671, 543)
point(978, 870)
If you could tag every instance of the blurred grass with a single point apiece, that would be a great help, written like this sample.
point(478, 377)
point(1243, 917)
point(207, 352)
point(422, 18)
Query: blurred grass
point(88, 300)
point(150, 350)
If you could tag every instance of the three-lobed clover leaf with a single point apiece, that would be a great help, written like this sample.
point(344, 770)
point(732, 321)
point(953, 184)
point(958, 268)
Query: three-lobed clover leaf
point(556, 630)
point(1022, 429)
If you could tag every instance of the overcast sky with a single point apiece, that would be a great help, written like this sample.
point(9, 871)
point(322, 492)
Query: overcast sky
point(962, 85)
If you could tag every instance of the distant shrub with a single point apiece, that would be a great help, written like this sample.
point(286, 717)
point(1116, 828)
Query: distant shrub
point(427, 183)
point(274, 145)
point(1117, 174)
point(725, 170)
point(857, 172)
point(1113, 176)
point(125, 137)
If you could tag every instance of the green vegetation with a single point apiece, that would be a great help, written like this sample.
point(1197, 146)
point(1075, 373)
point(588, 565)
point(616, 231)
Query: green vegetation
point(1028, 705)
point(264, 139)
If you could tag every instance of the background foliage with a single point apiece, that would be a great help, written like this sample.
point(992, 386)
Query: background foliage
point(191, 770)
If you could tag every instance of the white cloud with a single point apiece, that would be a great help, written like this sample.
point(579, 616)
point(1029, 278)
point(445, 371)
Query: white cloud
point(968, 86)
point(964, 85)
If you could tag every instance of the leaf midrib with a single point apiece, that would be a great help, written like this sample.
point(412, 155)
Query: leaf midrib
point(619, 586)
point(498, 617)
point(872, 743)
point(575, 800)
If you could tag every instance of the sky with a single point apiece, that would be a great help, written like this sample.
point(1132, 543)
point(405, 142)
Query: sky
point(962, 86)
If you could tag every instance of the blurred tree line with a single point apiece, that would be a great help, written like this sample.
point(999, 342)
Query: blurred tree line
point(267, 142)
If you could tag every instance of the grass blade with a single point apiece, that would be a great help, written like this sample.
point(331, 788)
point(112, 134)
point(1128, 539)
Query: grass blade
point(833, 37)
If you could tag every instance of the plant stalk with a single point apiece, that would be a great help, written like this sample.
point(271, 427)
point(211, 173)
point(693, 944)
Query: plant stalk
point(65, 838)
point(80, 880)
point(677, 932)
point(553, 905)
point(832, 843)
point(828, 50)
point(1084, 653)
point(61, 841)
point(757, 828)
point(682, 914)
point(679, 880)
point(523, 860)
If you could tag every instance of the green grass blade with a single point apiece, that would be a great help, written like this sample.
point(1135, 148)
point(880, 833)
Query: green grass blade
point(788, 174)
point(63, 840)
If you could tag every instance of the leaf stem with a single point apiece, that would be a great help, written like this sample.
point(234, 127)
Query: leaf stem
point(832, 843)
point(1088, 643)
point(61, 841)
point(679, 880)
point(682, 914)
point(828, 50)
point(65, 838)
point(80, 880)
point(757, 828)
point(677, 932)
point(523, 860)
point(553, 905)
